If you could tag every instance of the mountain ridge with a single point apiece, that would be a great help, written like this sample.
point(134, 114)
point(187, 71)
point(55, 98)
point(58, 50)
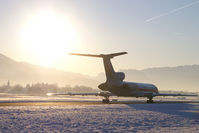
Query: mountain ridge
point(26, 73)
point(181, 78)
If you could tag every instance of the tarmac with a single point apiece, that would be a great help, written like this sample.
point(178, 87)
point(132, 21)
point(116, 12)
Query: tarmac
point(68, 103)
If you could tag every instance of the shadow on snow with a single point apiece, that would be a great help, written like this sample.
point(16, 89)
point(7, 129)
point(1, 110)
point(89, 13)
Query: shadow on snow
point(190, 111)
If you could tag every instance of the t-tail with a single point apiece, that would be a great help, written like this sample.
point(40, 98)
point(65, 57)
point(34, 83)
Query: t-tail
point(109, 70)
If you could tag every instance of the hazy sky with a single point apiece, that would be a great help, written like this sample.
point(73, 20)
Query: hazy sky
point(154, 32)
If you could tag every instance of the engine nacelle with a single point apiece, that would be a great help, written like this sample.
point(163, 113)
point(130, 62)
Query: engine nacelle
point(119, 75)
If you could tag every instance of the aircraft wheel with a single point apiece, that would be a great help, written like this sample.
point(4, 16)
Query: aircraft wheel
point(150, 101)
point(105, 101)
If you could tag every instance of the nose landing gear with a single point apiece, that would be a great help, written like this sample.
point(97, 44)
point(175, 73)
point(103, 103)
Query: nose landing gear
point(150, 100)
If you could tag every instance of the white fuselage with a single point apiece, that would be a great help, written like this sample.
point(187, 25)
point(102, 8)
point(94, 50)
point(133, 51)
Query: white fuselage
point(129, 89)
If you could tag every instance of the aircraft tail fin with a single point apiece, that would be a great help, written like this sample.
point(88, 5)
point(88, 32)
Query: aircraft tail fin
point(109, 70)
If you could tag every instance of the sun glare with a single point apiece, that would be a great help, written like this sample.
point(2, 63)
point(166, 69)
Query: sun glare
point(48, 37)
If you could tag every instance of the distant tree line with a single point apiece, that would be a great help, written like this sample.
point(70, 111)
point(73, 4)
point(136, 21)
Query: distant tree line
point(43, 88)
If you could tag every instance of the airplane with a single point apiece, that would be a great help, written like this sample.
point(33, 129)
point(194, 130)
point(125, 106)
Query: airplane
point(116, 86)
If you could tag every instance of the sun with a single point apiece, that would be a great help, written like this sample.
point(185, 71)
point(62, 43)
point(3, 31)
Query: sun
point(48, 37)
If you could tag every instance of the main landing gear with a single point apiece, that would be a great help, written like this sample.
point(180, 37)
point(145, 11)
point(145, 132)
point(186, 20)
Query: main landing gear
point(106, 100)
point(150, 100)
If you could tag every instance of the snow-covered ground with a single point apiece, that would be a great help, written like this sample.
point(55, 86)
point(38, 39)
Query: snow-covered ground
point(178, 117)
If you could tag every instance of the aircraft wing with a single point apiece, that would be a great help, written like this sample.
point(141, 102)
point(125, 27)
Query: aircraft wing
point(167, 94)
point(71, 94)
point(104, 94)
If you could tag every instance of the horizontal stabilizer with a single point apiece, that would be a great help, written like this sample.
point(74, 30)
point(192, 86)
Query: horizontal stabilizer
point(101, 55)
point(91, 55)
